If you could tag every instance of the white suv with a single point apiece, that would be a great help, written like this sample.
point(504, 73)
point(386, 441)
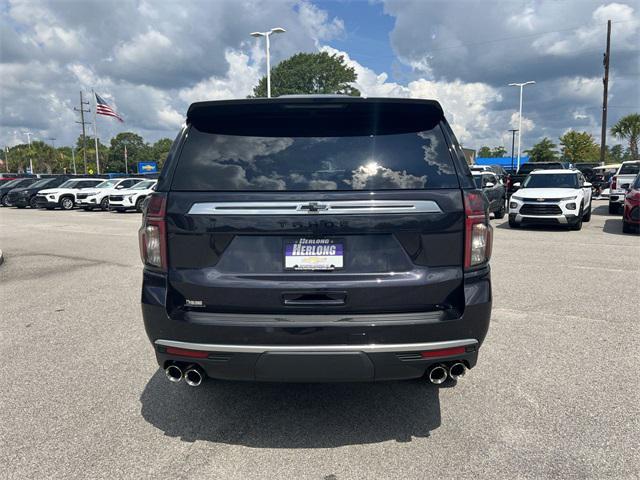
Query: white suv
point(64, 196)
point(98, 197)
point(132, 198)
point(551, 197)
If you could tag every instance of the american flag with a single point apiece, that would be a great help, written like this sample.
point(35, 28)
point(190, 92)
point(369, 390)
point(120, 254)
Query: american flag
point(103, 108)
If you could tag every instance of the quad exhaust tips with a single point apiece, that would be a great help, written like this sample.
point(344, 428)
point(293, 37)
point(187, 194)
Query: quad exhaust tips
point(173, 373)
point(457, 370)
point(438, 374)
point(193, 376)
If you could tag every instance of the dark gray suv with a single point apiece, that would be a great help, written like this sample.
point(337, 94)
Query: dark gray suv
point(316, 239)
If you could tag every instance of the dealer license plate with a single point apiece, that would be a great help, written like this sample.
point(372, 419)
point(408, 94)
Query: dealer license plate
point(314, 254)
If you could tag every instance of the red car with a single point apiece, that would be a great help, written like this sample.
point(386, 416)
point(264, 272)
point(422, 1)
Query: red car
point(631, 215)
point(6, 177)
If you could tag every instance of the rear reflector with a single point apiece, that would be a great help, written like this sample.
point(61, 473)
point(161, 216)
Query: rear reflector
point(183, 352)
point(443, 352)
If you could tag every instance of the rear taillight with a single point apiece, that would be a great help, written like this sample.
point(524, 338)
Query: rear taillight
point(153, 233)
point(478, 231)
point(614, 183)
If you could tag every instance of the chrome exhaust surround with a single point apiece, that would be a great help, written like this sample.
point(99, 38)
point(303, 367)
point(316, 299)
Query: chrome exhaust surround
point(438, 374)
point(173, 373)
point(193, 377)
point(457, 370)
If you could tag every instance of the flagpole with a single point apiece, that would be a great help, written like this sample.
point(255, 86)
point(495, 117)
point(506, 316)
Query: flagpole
point(95, 130)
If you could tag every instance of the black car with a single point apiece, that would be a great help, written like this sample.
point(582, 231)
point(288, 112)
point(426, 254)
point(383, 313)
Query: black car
point(494, 190)
point(26, 197)
point(5, 188)
point(316, 239)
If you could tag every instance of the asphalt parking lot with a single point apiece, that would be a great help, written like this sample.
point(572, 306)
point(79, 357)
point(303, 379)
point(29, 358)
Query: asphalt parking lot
point(555, 393)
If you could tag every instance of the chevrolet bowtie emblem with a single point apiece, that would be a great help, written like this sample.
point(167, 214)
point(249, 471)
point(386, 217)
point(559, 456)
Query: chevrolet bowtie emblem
point(540, 199)
point(313, 207)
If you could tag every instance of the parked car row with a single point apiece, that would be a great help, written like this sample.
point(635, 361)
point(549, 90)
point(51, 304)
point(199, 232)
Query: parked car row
point(60, 191)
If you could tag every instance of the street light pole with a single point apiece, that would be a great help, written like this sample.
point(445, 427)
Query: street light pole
point(28, 134)
point(266, 35)
point(513, 143)
point(521, 85)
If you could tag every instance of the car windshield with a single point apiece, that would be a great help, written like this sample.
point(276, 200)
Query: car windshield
point(552, 180)
point(40, 183)
point(107, 184)
point(68, 184)
point(143, 185)
point(11, 183)
point(630, 169)
point(477, 179)
point(530, 167)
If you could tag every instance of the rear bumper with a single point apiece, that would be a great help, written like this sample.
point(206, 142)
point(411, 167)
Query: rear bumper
point(322, 348)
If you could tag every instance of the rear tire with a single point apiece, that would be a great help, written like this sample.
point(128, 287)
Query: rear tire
point(32, 203)
point(501, 213)
point(66, 203)
point(5, 201)
point(613, 208)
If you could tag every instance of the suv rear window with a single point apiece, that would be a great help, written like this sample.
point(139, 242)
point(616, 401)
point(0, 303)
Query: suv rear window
point(629, 168)
point(337, 149)
point(530, 167)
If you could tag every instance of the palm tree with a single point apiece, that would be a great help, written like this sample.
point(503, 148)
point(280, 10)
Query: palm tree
point(629, 128)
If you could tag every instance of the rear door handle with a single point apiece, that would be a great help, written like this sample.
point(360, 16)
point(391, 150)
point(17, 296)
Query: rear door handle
point(314, 298)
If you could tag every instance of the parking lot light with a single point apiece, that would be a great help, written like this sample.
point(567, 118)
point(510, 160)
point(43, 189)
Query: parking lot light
point(266, 35)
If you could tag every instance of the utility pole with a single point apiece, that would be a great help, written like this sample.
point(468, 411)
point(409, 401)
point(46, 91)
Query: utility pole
point(84, 137)
point(513, 143)
point(6, 157)
point(605, 95)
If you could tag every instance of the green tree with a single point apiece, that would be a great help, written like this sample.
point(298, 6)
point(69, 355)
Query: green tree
point(310, 73)
point(137, 151)
point(484, 152)
point(498, 152)
point(628, 128)
point(543, 151)
point(579, 147)
point(160, 150)
point(103, 152)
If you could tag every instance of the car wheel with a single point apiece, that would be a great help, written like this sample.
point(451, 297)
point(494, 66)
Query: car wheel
point(139, 203)
point(501, 213)
point(5, 201)
point(513, 224)
point(32, 203)
point(613, 208)
point(104, 203)
point(587, 216)
point(578, 224)
point(66, 203)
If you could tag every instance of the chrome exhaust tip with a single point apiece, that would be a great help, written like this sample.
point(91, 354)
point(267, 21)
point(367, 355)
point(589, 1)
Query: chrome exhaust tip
point(173, 373)
point(457, 370)
point(193, 377)
point(438, 374)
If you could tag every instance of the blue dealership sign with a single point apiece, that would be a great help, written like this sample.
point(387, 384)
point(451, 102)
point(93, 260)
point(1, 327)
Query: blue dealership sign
point(147, 167)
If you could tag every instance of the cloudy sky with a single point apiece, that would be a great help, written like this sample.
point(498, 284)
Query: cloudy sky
point(150, 59)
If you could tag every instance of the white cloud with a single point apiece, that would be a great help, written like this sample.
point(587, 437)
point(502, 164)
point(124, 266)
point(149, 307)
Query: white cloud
point(242, 76)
